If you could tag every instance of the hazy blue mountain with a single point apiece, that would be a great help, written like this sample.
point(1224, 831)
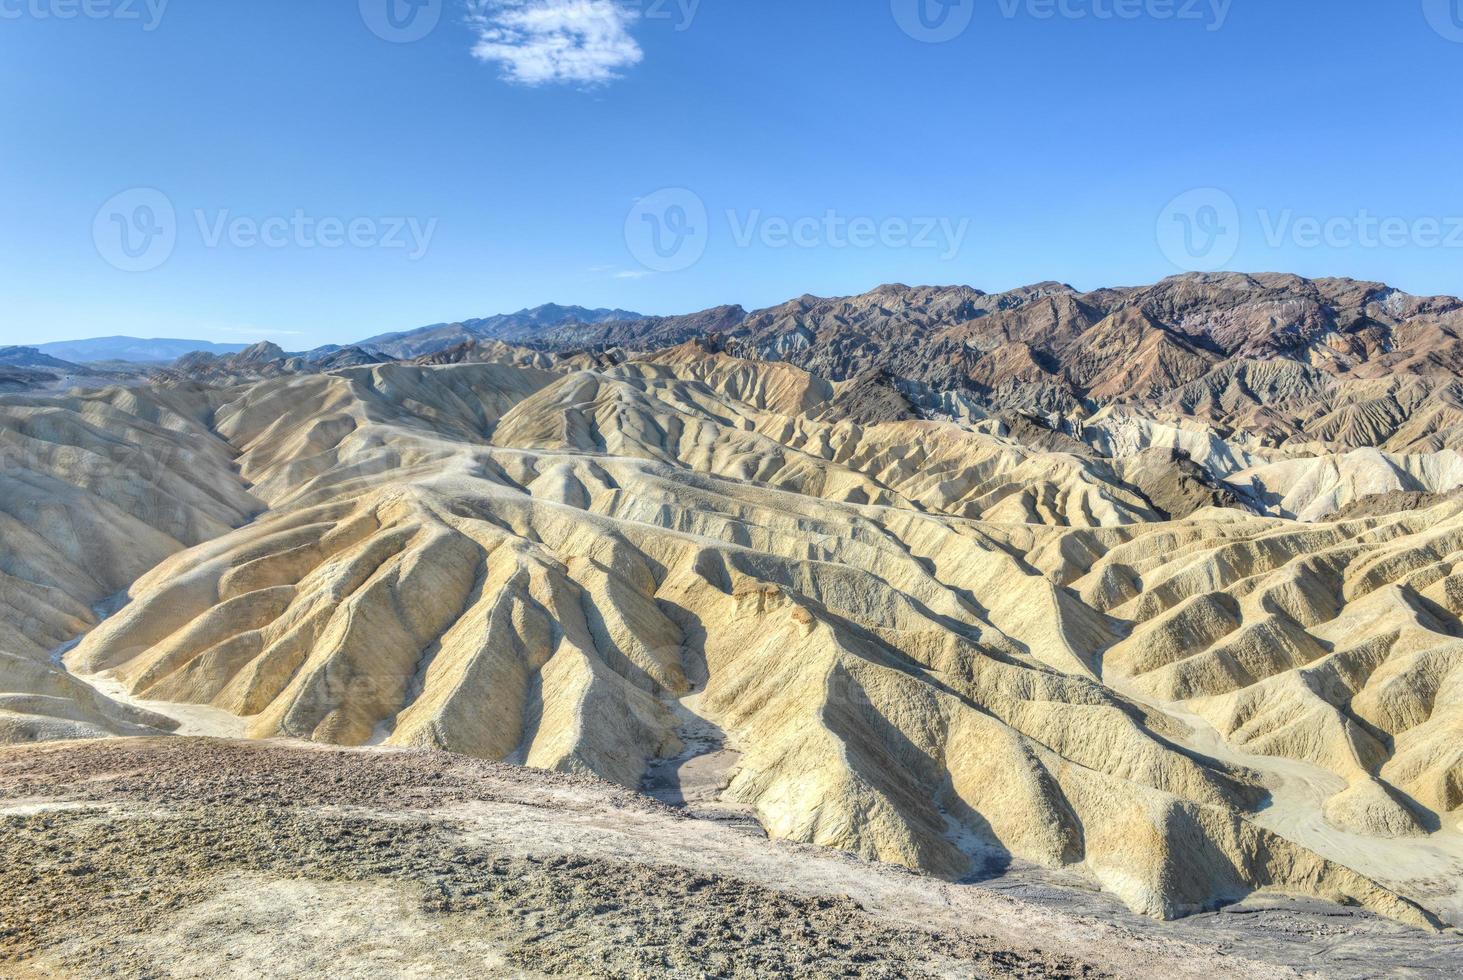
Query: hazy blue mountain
point(512, 327)
point(31, 357)
point(134, 349)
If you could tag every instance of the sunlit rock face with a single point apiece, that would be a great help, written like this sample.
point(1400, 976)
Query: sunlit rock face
point(1142, 642)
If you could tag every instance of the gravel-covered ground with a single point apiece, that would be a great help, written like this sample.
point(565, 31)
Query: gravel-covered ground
point(185, 857)
point(182, 857)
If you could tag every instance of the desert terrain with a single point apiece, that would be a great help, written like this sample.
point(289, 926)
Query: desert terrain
point(925, 632)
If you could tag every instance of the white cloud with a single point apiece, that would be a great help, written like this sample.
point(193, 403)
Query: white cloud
point(616, 272)
point(541, 42)
point(247, 331)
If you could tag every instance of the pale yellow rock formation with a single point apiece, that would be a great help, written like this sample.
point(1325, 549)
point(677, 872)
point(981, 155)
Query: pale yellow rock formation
point(929, 644)
point(96, 488)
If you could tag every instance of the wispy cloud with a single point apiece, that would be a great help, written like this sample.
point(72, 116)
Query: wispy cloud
point(248, 331)
point(544, 42)
point(616, 272)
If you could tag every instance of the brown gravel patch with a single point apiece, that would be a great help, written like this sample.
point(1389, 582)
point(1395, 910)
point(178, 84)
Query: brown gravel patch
point(165, 826)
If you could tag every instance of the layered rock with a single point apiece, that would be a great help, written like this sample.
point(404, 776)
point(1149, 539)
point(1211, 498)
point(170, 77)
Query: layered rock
point(928, 644)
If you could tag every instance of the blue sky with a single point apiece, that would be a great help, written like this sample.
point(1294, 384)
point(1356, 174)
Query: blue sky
point(327, 183)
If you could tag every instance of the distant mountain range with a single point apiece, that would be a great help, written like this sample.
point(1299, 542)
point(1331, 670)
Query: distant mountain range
point(31, 357)
point(520, 327)
point(1226, 346)
point(1045, 346)
point(525, 325)
point(132, 349)
point(28, 369)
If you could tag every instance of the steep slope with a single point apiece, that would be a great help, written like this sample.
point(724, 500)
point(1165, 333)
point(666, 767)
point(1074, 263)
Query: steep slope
point(554, 569)
point(1039, 578)
point(1336, 646)
point(95, 489)
point(1174, 484)
point(1313, 488)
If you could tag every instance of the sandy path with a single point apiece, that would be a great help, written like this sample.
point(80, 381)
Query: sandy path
point(198, 720)
point(696, 778)
point(1429, 870)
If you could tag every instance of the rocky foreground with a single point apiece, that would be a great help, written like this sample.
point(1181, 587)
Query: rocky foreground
point(199, 858)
